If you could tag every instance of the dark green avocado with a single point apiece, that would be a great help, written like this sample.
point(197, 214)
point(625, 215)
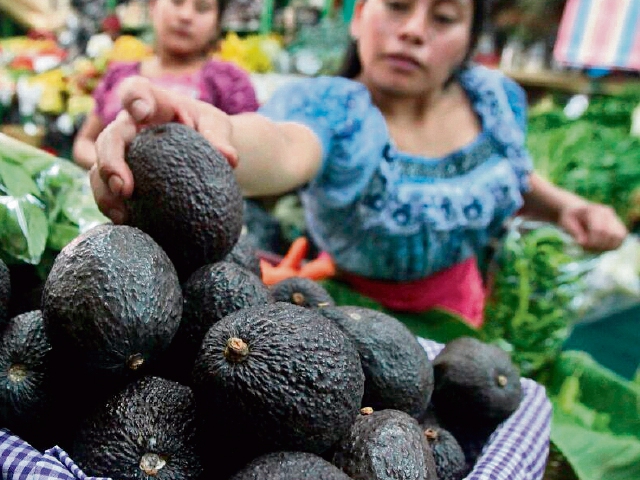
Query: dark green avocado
point(398, 373)
point(448, 454)
point(290, 466)
point(147, 431)
point(25, 384)
point(245, 254)
point(385, 445)
point(5, 294)
point(112, 301)
point(211, 293)
point(185, 196)
point(282, 376)
point(301, 291)
point(476, 387)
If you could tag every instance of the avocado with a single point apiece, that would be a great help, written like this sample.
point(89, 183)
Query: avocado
point(283, 377)
point(145, 431)
point(25, 383)
point(447, 453)
point(289, 466)
point(112, 301)
point(398, 373)
point(301, 291)
point(476, 386)
point(186, 196)
point(245, 254)
point(211, 293)
point(5, 294)
point(385, 445)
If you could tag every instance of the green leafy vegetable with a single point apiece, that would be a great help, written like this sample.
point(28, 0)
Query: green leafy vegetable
point(45, 202)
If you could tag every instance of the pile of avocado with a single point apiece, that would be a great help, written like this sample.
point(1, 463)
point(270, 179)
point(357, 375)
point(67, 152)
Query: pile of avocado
point(158, 353)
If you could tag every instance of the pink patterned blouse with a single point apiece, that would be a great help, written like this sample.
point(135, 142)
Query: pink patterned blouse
point(222, 84)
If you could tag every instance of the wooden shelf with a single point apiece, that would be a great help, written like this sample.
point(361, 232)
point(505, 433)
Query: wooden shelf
point(570, 82)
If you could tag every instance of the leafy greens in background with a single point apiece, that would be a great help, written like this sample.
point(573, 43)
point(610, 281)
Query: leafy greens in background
point(45, 202)
point(594, 155)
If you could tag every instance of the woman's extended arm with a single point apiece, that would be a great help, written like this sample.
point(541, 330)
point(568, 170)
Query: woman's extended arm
point(84, 145)
point(593, 225)
point(269, 157)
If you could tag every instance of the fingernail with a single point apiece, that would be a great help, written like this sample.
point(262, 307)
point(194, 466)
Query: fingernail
point(115, 184)
point(116, 215)
point(140, 110)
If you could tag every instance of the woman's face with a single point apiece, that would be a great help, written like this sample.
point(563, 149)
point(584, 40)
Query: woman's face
point(184, 27)
point(409, 47)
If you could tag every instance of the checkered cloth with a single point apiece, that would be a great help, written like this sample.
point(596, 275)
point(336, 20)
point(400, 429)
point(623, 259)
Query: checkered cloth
point(517, 450)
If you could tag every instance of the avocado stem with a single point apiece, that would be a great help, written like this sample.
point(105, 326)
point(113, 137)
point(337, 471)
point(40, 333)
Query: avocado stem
point(366, 411)
point(502, 380)
point(431, 434)
point(236, 350)
point(298, 298)
point(17, 373)
point(152, 463)
point(135, 361)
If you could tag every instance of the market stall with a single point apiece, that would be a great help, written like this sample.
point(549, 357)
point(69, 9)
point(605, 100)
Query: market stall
point(566, 317)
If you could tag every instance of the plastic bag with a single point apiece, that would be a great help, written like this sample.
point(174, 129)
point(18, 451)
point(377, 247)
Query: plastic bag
point(45, 202)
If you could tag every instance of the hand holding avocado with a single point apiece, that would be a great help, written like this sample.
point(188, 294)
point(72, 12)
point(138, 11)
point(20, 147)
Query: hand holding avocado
point(144, 105)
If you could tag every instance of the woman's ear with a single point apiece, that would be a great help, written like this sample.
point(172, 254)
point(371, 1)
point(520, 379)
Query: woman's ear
point(354, 27)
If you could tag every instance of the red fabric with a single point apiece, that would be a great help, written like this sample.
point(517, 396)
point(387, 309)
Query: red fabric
point(459, 289)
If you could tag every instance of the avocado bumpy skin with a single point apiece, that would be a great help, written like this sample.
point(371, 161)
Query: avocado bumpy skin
point(301, 291)
point(211, 293)
point(398, 373)
point(476, 387)
point(185, 196)
point(385, 445)
point(5, 294)
point(24, 374)
point(145, 431)
point(290, 465)
point(448, 454)
point(112, 301)
point(283, 376)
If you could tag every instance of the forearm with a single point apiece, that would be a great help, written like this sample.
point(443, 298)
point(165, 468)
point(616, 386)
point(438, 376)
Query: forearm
point(274, 158)
point(544, 201)
point(84, 152)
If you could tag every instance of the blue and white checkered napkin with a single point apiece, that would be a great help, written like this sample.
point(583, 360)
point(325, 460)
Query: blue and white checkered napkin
point(20, 461)
point(517, 450)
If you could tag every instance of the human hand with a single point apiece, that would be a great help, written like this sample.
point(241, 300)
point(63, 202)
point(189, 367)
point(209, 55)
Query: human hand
point(143, 105)
point(594, 226)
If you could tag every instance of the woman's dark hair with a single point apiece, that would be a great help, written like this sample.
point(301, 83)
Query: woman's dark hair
point(351, 66)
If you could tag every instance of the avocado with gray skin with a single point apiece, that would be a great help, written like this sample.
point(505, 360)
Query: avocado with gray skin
point(398, 373)
point(447, 452)
point(25, 382)
point(385, 445)
point(282, 376)
point(476, 387)
point(112, 301)
point(185, 196)
point(288, 466)
point(211, 293)
point(5, 293)
point(301, 291)
point(145, 431)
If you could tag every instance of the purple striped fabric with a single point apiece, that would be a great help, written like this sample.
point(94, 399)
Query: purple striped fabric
point(517, 450)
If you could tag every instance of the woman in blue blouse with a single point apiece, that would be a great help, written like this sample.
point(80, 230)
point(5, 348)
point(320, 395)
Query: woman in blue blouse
point(410, 166)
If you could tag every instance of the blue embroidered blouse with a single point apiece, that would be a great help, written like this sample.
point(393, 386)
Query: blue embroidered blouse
point(388, 215)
